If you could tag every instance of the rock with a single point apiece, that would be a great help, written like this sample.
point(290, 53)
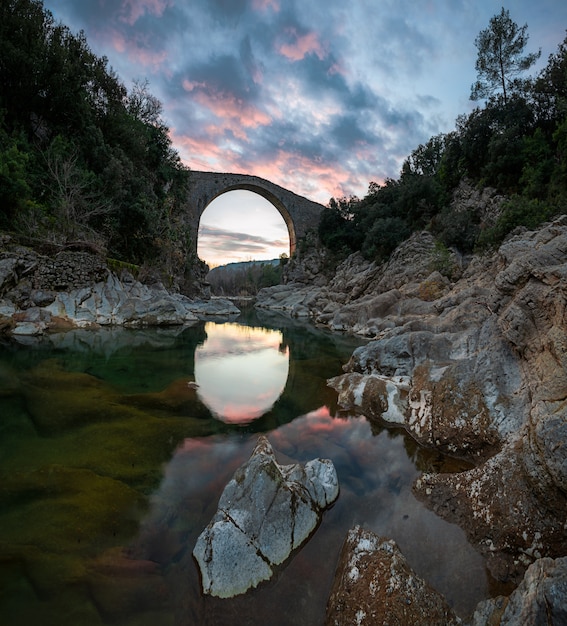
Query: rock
point(265, 513)
point(309, 265)
point(31, 329)
point(8, 275)
point(40, 297)
point(6, 323)
point(374, 585)
point(376, 397)
point(489, 612)
point(132, 304)
point(499, 510)
point(541, 597)
point(479, 372)
point(221, 307)
point(284, 297)
point(75, 288)
point(142, 587)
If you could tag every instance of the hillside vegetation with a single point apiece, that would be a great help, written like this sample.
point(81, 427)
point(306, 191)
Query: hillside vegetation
point(516, 144)
point(246, 278)
point(81, 157)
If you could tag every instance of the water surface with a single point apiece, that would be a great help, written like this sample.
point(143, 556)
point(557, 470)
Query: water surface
point(116, 444)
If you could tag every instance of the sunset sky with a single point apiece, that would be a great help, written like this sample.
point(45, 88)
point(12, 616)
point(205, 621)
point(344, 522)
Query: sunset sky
point(318, 96)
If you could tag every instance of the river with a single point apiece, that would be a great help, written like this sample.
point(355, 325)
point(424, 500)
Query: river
point(116, 444)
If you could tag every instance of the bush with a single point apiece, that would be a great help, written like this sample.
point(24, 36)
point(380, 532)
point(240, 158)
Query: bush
point(459, 229)
point(384, 236)
point(518, 211)
point(441, 260)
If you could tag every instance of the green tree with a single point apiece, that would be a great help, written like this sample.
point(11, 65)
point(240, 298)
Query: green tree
point(500, 57)
point(549, 90)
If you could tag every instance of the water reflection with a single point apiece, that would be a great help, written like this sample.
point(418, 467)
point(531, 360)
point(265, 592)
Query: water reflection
point(375, 476)
point(111, 466)
point(240, 371)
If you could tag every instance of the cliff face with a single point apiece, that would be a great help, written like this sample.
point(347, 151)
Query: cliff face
point(472, 361)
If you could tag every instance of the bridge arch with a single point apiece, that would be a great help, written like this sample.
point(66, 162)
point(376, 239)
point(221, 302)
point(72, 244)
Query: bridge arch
point(299, 213)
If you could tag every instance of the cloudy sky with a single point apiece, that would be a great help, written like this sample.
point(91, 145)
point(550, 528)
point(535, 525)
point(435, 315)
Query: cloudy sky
point(318, 96)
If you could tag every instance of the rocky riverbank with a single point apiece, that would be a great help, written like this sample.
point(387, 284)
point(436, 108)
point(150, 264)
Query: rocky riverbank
point(40, 292)
point(469, 355)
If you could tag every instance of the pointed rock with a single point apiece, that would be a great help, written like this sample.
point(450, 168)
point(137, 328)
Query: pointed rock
point(265, 512)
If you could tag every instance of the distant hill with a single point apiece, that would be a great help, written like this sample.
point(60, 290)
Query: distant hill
point(231, 268)
point(244, 278)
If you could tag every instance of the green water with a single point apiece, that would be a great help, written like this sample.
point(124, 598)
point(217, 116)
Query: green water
point(116, 444)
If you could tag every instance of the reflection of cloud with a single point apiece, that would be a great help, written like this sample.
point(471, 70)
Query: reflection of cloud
point(241, 371)
point(375, 478)
point(231, 339)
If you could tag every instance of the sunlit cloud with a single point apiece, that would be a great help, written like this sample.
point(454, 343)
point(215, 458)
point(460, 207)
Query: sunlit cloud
point(132, 10)
point(299, 46)
point(223, 240)
point(264, 5)
point(226, 107)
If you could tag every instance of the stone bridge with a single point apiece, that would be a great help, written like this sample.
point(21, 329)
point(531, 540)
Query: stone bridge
point(299, 213)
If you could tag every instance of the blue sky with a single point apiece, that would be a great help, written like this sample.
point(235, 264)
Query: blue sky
point(318, 96)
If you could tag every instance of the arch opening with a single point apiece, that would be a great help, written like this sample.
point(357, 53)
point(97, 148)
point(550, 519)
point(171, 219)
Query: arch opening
point(241, 224)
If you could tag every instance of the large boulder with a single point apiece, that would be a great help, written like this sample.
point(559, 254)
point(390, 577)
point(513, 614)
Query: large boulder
point(375, 585)
point(539, 600)
point(265, 512)
point(541, 597)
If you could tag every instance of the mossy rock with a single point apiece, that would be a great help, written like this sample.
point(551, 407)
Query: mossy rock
point(122, 586)
point(58, 400)
point(67, 511)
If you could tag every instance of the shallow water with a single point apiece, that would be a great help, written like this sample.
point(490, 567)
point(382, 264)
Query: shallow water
point(115, 446)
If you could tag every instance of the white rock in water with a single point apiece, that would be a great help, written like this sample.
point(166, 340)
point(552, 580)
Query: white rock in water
point(265, 512)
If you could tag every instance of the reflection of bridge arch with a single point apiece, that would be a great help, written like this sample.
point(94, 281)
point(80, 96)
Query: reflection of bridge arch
point(299, 213)
point(312, 355)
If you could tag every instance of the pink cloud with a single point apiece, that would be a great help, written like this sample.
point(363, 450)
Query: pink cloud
point(314, 179)
point(215, 150)
point(143, 55)
point(132, 10)
point(301, 45)
point(235, 113)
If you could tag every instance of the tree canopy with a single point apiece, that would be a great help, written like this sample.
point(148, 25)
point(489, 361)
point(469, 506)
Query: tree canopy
point(516, 144)
point(81, 156)
point(500, 56)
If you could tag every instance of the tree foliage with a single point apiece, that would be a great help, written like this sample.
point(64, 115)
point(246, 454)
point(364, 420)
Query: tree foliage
point(81, 156)
point(516, 144)
point(247, 278)
point(500, 57)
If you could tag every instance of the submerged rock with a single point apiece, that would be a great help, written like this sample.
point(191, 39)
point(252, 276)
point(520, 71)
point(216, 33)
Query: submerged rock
point(375, 585)
point(265, 512)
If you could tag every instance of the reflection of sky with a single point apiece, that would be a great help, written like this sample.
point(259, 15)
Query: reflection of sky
point(375, 478)
point(240, 371)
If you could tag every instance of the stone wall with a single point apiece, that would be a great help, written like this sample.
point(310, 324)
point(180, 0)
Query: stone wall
point(69, 270)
